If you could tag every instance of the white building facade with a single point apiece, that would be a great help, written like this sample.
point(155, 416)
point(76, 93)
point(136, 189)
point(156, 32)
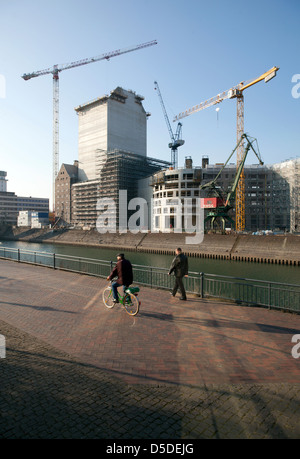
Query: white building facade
point(113, 122)
point(176, 199)
point(289, 172)
point(33, 219)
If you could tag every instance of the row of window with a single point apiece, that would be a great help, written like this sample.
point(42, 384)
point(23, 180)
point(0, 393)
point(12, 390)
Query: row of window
point(170, 194)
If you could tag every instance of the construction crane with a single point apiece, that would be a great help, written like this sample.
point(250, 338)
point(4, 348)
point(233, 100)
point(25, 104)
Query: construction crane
point(235, 92)
point(175, 138)
point(217, 202)
point(55, 70)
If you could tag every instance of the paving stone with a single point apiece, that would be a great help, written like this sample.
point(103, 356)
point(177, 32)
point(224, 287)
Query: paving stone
point(74, 369)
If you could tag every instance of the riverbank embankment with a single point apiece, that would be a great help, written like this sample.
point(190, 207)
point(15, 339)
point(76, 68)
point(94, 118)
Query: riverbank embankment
point(277, 249)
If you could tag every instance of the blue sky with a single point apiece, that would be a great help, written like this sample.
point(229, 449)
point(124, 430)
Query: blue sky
point(204, 47)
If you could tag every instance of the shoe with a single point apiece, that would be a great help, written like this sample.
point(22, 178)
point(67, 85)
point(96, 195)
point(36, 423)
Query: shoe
point(115, 301)
point(181, 298)
point(171, 293)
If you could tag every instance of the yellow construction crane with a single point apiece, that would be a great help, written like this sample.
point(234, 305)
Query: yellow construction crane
point(235, 92)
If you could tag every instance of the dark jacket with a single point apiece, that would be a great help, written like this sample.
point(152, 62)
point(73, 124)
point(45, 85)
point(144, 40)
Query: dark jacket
point(180, 266)
point(123, 270)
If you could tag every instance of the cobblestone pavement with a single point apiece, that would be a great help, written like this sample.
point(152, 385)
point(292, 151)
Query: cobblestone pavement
point(179, 370)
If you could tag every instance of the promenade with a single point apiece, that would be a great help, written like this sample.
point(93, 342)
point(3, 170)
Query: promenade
point(178, 370)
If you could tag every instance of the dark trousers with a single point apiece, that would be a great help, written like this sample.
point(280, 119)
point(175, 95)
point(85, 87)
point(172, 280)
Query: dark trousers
point(179, 285)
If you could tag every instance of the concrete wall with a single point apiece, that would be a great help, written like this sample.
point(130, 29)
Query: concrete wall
point(92, 135)
point(127, 125)
point(284, 249)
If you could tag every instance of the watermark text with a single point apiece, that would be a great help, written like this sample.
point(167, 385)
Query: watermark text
point(170, 215)
point(2, 347)
point(296, 87)
point(296, 348)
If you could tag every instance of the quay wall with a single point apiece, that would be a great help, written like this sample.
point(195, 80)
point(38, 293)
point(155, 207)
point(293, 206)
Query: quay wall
point(277, 249)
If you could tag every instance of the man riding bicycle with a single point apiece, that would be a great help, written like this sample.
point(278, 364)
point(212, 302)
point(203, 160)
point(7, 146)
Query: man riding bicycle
point(123, 270)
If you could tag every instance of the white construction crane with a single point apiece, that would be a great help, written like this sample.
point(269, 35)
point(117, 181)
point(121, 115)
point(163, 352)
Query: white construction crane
point(55, 70)
point(235, 92)
point(176, 140)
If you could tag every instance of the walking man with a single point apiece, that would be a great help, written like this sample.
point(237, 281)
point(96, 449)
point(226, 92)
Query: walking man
point(180, 268)
point(123, 270)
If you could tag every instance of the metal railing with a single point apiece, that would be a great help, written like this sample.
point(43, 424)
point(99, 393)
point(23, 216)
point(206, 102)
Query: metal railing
point(240, 290)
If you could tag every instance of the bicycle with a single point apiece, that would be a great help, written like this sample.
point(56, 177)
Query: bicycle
point(129, 301)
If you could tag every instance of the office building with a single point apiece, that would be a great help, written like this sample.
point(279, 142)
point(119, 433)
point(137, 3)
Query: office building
point(113, 122)
point(11, 204)
point(3, 181)
point(112, 156)
point(67, 176)
point(174, 198)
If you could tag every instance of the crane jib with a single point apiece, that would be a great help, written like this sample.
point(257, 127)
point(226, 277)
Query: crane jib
point(55, 72)
point(107, 56)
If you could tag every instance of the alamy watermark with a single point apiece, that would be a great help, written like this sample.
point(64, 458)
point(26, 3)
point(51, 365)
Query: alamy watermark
point(2, 87)
point(296, 87)
point(176, 215)
point(296, 348)
point(2, 347)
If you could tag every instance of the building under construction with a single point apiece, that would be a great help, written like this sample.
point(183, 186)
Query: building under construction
point(288, 173)
point(112, 156)
point(112, 122)
point(271, 194)
point(119, 171)
point(122, 171)
point(175, 193)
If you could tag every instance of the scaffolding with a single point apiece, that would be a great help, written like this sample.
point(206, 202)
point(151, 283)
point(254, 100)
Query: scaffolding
point(272, 200)
point(84, 201)
point(289, 174)
point(121, 170)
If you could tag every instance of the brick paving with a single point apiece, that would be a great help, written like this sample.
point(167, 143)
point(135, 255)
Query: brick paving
point(178, 370)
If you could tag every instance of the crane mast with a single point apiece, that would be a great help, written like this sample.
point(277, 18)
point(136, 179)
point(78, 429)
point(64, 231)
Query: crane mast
point(55, 135)
point(234, 92)
point(224, 204)
point(176, 140)
point(55, 70)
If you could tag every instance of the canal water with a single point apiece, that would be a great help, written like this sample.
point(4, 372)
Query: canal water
point(271, 272)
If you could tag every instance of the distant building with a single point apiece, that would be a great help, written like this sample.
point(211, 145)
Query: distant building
point(33, 219)
point(174, 197)
point(8, 208)
point(123, 172)
point(288, 187)
point(84, 202)
point(24, 218)
point(11, 204)
point(67, 176)
point(3, 181)
point(113, 122)
point(76, 202)
point(271, 194)
point(112, 156)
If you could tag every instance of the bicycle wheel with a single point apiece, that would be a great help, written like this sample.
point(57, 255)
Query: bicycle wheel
point(131, 304)
point(108, 298)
